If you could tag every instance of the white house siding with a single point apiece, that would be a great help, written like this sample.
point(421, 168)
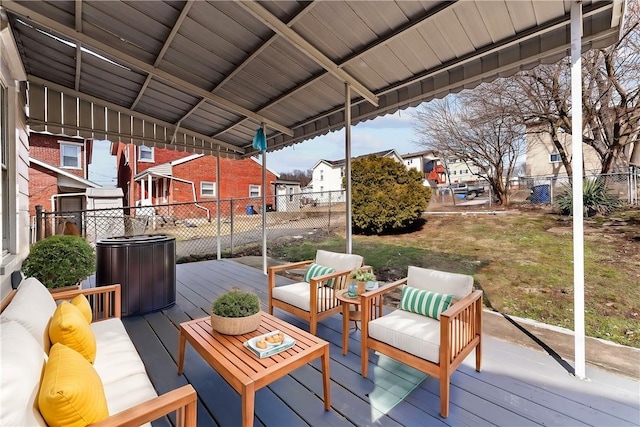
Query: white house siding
point(460, 171)
point(327, 183)
point(540, 147)
point(18, 163)
point(414, 163)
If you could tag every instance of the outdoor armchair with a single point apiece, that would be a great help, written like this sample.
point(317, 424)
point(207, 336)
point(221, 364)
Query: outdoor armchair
point(313, 300)
point(434, 346)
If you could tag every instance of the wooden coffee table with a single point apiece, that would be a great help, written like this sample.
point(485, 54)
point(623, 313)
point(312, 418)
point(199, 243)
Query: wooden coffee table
point(244, 371)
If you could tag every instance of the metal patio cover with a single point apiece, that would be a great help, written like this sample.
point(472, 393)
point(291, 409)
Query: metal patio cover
point(203, 75)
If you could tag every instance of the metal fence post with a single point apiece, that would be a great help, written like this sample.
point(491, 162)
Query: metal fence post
point(231, 227)
point(329, 221)
point(39, 223)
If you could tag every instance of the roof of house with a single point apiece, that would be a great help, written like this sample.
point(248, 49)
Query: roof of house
point(334, 163)
point(60, 171)
point(425, 153)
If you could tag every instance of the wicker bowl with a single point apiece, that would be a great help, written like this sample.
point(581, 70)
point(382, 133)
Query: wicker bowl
point(235, 325)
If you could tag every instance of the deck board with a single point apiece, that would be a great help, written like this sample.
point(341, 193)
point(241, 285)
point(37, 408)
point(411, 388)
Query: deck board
point(517, 386)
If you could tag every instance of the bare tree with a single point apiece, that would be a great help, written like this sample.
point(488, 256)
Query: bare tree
point(611, 97)
point(478, 129)
point(303, 176)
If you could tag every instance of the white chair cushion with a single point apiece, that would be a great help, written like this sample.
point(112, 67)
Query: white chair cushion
point(410, 332)
point(338, 261)
point(116, 356)
point(32, 307)
point(299, 295)
point(22, 361)
point(128, 392)
point(458, 285)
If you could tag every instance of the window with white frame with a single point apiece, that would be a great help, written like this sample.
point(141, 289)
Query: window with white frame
point(207, 189)
point(145, 154)
point(254, 190)
point(70, 155)
point(291, 194)
point(321, 175)
point(4, 167)
point(555, 158)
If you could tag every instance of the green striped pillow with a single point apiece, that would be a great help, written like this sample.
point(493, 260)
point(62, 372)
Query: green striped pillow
point(424, 302)
point(315, 270)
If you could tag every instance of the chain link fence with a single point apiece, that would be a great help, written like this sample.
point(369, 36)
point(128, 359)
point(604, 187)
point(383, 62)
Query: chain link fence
point(196, 227)
point(536, 190)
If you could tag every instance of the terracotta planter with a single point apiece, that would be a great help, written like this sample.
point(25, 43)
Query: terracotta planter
point(235, 325)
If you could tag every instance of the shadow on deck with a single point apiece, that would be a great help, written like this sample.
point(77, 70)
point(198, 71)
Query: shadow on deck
point(517, 386)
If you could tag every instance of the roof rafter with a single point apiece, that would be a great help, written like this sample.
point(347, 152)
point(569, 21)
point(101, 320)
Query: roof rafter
point(306, 9)
point(368, 48)
point(165, 46)
point(307, 48)
point(114, 53)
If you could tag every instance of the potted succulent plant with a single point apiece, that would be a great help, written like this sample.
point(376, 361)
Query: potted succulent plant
point(60, 261)
point(361, 277)
point(236, 312)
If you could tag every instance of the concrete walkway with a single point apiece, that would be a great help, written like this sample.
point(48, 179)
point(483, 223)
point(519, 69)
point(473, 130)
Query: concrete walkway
point(555, 341)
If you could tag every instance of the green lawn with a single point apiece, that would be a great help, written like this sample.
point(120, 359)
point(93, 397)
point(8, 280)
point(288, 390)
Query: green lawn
point(523, 262)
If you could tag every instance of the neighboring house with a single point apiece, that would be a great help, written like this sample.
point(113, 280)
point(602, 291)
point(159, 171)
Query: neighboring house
point(14, 161)
point(152, 176)
point(543, 158)
point(428, 164)
point(462, 172)
point(327, 176)
point(58, 171)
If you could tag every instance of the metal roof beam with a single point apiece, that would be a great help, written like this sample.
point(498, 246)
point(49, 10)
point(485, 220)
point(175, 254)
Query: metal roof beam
point(306, 9)
point(381, 41)
point(117, 55)
point(307, 48)
point(165, 46)
point(78, 20)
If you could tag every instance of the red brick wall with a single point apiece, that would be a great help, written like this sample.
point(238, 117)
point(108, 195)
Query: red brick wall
point(47, 149)
point(42, 185)
point(235, 176)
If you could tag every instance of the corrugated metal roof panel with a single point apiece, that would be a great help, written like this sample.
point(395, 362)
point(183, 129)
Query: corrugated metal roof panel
point(215, 70)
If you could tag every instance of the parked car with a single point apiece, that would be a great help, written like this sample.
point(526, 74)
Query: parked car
point(467, 189)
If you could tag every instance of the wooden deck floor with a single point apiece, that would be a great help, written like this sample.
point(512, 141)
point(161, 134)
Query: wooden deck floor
point(517, 386)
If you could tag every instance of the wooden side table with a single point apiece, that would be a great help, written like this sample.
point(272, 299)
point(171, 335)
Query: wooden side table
point(354, 315)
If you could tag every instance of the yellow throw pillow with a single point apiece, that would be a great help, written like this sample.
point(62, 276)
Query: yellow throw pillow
point(69, 327)
point(82, 303)
point(71, 393)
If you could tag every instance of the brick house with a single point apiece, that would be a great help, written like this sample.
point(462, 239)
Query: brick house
point(58, 172)
point(152, 176)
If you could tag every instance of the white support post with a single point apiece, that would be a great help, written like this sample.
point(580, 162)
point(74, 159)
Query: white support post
point(347, 163)
point(264, 205)
point(578, 204)
point(217, 189)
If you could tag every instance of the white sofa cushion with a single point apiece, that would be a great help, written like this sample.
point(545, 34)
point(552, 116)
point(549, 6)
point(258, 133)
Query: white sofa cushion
point(458, 285)
point(128, 392)
point(32, 306)
point(338, 261)
point(23, 361)
point(410, 332)
point(116, 356)
point(299, 295)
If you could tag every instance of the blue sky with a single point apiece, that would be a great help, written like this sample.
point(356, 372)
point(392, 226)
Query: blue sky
point(382, 133)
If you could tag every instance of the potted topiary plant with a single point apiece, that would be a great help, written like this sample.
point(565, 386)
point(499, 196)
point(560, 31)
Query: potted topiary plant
point(60, 261)
point(361, 277)
point(236, 312)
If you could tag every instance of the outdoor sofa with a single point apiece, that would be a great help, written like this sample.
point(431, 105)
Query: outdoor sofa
point(29, 360)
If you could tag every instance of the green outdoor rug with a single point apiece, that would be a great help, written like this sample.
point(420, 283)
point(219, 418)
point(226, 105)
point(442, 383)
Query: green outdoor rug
point(393, 382)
